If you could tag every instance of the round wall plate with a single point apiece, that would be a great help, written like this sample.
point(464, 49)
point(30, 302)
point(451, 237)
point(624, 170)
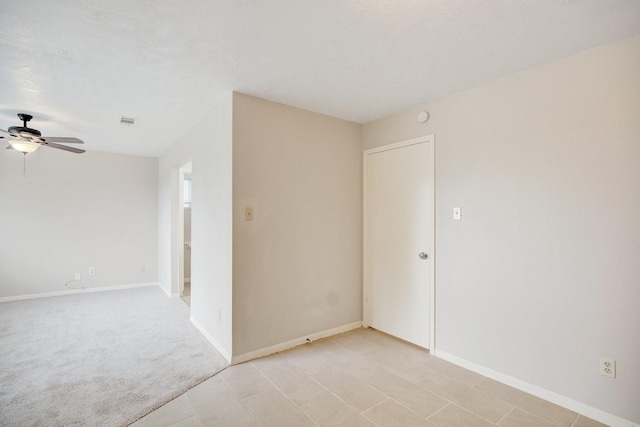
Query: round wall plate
point(423, 116)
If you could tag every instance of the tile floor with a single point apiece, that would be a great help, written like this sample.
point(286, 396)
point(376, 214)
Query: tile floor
point(359, 378)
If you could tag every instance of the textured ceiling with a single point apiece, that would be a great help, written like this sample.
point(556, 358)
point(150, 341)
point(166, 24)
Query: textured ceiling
point(78, 65)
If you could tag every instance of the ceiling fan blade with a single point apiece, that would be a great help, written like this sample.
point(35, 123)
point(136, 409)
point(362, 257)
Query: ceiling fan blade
point(4, 131)
point(63, 139)
point(63, 147)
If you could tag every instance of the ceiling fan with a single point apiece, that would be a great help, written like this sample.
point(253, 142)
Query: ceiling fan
point(27, 140)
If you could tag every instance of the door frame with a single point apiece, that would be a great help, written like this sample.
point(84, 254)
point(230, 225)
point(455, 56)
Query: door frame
point(178, 288)
point(366, 305)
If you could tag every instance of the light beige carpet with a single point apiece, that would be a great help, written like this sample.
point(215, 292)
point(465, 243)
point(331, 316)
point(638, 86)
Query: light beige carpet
point(98, 359)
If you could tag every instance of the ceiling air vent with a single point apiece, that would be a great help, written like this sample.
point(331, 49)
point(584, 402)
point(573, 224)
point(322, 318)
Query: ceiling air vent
point(128, 121)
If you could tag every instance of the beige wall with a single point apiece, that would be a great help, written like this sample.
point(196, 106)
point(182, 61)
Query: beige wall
point(540, 277)
point(297, 265)
point(208, 147)
point(72, 212)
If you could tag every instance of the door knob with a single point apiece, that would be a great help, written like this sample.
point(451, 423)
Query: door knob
point(423, 255)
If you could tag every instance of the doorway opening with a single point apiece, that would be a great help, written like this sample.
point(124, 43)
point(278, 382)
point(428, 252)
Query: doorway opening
point(184, 232)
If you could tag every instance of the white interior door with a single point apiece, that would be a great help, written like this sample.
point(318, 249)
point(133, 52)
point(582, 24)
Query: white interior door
point(399, 219)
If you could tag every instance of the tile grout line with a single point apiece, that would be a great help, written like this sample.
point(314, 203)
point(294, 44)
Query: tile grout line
point(528, 396)
point(507, 414)
point(449, 402)
point(477, 382)
point(477, 415)
point(240, 400)
point(453, 379)
point(361, 413)
point(389, 397)
point(377, 404)
point(411, 410)
point(331, 392)
point(540, 417)
point(282, 393)
point(439, 410)
point(478, 391)
point(194, 409)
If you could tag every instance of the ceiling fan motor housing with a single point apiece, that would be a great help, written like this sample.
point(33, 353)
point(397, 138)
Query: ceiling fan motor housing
point(23, 131)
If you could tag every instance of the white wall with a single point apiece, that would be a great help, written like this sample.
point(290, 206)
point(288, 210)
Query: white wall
point(540, 277)
point(297, 265)
point(208, 146)
point(72, 212)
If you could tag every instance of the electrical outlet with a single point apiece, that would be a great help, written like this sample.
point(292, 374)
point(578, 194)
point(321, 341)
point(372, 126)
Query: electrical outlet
point(78, 276)
point(142, 268)
point(607, 367)
point(92, 271)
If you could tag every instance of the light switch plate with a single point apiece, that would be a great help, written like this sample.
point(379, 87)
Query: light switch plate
point(457, 214)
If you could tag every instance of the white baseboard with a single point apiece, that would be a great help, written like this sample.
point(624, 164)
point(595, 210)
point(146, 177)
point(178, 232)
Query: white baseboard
point(293, 343)
point(212, 340)
point(78, 291)
point(565, 402)
point(167, 292)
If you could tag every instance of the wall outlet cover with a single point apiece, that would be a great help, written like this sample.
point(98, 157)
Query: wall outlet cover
point(607, 367)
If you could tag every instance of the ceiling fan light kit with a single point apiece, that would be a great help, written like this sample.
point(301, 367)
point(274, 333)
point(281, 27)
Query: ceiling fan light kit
point(24, 147)
point(27, 140)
